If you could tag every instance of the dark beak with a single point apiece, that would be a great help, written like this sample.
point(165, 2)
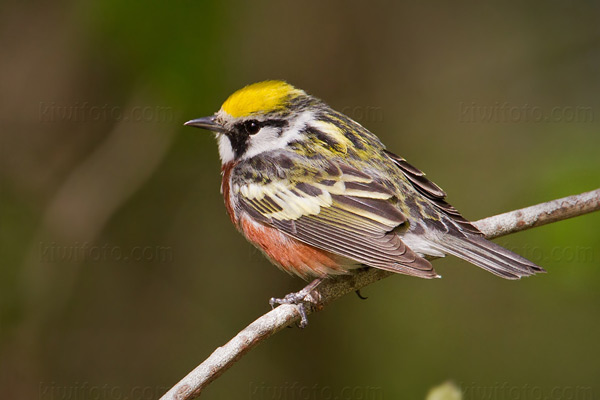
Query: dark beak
point(208, 123)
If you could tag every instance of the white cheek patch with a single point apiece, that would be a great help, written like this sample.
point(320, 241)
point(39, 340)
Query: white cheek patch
point(268, 138)
point(225, 149)
point(272, 138)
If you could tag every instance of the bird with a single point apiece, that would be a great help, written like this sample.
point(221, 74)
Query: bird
point(320, 195)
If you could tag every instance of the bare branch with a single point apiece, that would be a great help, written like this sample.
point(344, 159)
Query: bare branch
point(275, 320)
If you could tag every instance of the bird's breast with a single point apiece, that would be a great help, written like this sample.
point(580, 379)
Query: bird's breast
point(291, 255)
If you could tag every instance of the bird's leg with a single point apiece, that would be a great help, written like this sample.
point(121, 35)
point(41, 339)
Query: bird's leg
point(298, 298)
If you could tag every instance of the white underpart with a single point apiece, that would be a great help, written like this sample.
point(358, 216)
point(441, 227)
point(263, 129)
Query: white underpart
point(269, 138)
point(422, 245)
point(225, 150)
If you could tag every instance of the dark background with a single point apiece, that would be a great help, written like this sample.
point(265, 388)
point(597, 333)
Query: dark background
point(120, 270)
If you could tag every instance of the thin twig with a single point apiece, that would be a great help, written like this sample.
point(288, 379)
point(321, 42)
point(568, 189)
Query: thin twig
point(275, 320)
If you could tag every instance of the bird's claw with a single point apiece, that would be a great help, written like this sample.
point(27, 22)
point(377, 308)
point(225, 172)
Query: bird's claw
point(298, 299)
point(295, 299)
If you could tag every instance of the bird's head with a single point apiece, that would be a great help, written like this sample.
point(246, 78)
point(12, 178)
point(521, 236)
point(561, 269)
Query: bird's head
point(261, 117)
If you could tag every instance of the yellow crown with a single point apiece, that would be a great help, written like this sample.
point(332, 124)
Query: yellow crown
point(260, 98)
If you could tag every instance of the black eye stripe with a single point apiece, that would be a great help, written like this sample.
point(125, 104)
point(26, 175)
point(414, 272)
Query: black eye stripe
point(277, 123)
point(251, 127)
point(239, 144)
point(239, 136)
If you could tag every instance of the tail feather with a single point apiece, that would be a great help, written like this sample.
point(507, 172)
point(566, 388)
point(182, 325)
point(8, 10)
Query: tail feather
point(488, 255)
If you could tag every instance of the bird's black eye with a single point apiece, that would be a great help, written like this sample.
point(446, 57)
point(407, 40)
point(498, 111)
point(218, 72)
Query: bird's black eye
point(251, 127)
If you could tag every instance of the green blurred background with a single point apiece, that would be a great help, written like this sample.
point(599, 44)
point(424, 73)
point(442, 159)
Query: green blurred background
point(121, 271)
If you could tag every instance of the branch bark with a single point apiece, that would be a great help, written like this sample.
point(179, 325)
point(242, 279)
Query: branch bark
point(272, 322)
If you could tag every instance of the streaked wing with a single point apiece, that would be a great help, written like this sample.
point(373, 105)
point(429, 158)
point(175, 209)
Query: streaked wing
point(433, 192)
point(335, 208)
point(465, 240)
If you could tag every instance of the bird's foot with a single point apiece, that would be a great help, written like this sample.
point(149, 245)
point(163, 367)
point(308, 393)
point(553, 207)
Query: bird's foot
point(298, 299)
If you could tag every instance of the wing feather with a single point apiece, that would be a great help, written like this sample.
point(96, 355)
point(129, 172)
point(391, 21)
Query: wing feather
point(338, 209)
point(434, 193)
